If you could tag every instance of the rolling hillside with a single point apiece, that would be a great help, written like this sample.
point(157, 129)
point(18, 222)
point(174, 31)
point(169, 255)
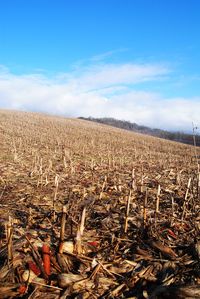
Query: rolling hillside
point(118, 210)
point(169, 135)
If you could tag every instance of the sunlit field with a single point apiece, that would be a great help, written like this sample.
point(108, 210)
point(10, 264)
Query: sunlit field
point(118, 211)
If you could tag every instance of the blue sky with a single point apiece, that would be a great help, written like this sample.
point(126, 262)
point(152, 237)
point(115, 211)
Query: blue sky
point(132, 59)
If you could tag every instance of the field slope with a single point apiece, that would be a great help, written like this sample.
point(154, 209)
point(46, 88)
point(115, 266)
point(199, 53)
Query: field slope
point(131, 210)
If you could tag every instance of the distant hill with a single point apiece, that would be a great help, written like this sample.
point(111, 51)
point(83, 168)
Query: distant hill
point(126, 125)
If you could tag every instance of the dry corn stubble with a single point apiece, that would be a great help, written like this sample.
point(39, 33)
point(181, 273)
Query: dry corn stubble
point(119, 211)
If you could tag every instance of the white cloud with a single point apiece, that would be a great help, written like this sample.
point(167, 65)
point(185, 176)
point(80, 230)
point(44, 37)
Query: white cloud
point(106, 75)
point(100, 90)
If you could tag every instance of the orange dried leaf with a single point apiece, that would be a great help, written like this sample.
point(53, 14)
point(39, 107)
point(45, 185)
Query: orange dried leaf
point(46, 258)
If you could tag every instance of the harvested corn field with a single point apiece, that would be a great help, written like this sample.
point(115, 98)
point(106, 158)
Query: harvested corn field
point(90, 211)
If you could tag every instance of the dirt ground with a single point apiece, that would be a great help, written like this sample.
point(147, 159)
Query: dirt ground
point(91, 211)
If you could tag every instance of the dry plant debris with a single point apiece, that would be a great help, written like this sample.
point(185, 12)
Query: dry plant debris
point(90, 211)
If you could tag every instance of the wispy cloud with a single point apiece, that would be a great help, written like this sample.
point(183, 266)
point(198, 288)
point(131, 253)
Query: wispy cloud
point(105, 75)
point(100, 89)
point(107, 54)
